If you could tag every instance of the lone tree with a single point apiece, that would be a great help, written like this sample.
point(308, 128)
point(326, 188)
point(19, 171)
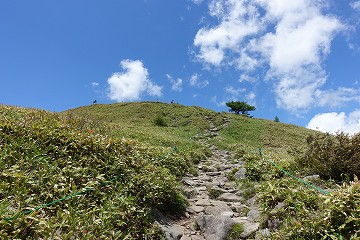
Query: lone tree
point(240, 107)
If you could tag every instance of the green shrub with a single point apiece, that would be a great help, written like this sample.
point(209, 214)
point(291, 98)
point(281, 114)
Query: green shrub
point(214, 193)
point(258, 169)
point(160, 121)
point(297, 200)
point(236, 231)
point(333, 157)
point(248, 189)
point(338, 218)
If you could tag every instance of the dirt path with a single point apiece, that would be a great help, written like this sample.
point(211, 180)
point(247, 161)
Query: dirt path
point(216, 203)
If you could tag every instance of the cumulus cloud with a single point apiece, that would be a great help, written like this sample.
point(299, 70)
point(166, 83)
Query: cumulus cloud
point(95, 84)
point(195, 81)
point(289, 39)
point(333, 122)
point(355, 5)
point(130, 84)
point(176, 84)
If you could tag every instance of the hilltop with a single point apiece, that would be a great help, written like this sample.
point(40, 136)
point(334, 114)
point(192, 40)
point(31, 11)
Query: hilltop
point(183, 124)
point(119, 171)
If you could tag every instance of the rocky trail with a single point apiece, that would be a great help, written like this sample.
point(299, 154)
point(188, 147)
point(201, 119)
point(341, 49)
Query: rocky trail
point(215, 202)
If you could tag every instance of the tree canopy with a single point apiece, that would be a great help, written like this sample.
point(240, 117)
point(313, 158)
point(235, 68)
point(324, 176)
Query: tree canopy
point(240, 107)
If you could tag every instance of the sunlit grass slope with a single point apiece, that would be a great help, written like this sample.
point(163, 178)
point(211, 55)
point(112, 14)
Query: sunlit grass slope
point(183, 123)
point(307, 213)
point(137, 120)
point(47, 156)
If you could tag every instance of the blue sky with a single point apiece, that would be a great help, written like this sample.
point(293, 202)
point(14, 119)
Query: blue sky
point(298, 60)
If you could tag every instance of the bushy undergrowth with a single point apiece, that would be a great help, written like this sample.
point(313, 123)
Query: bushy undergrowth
point(333, 157)
point(311, 216)
point(46, 156)
point(258, 167)
point(295, 210)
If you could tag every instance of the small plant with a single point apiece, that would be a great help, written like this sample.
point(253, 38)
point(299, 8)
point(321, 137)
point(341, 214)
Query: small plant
point(236, 231)
point(248, 189)
point(231, 174)
point(160, 121)
point(214, 193)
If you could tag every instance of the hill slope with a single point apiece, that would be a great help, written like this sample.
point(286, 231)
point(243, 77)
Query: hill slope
point(101, 171)
point(183, 124)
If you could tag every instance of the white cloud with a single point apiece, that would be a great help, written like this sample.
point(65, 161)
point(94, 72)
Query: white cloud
point(234, 92)
point(289, 39)
point(336, 98)
point(333, 122)
point(132, 82)
point(95, 84)
point(247, 78)
point(197, 1)
point(355, 5)
point(218, 103)
point(176, 84)
point(195, 81)
point(251, 98)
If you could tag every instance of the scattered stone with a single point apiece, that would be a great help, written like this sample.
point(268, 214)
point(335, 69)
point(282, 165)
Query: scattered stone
point(240, 174)
point(311, 177)
point(238, 208)
point(214, 227)
point(253, 215)
point(200, 189)
point(172, 231)
point(249, 229)
point(214, 173)
point(185, 238)
point(251, 201)
point(190, 192)
point(203, 202)
point(229, 197)
point(262, 234)
point(219, 208)
point(196, 209)
point(189, 182)
point(240, 219)
point(195, 237)
point(210, 219)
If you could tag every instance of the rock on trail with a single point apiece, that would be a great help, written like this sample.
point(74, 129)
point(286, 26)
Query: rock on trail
point(216, 204)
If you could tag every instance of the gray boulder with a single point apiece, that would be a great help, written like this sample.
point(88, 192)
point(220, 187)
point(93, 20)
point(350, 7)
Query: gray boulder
point(215, 227)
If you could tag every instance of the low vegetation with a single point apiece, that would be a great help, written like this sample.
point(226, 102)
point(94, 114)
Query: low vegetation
point(46, 156)
point(327, 206)
point(119, 162)
point(333, 157)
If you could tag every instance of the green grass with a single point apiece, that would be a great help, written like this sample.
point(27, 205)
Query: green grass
point(45, 156)
point(137, 121)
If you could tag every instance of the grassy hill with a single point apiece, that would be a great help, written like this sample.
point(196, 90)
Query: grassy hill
point(183, 124)
point(97, 172)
